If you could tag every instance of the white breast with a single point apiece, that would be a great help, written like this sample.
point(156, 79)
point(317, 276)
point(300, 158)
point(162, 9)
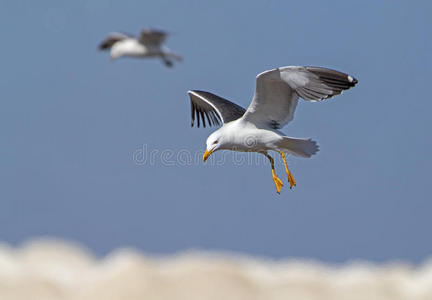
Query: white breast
point(246, 137)
point(129, 47)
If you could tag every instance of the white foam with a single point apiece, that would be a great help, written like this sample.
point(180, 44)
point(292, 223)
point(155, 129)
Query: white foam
point(61, 271)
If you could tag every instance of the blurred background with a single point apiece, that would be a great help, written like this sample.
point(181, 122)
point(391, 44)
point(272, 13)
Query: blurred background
point(84, 141)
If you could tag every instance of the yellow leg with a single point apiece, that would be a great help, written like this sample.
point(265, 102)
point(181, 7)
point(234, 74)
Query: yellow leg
point(277, 181)
point(291, 179)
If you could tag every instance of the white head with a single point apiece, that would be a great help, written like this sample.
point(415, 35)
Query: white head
point(215, 141)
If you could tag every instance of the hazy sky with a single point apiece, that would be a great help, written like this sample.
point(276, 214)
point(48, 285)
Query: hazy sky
point(71, 121)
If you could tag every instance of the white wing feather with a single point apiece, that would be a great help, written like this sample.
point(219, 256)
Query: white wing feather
point(277, 92)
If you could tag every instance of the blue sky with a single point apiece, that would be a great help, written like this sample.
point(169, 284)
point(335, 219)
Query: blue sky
point(71, 121)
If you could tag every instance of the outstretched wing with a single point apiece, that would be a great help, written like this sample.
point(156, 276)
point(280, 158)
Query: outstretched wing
point(216, 109)
point(112, 39)
point(277, 92)
point(152, 37)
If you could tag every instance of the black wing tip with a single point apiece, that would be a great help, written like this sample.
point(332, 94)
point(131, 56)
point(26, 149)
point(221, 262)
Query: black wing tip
point(102, 47)
point(111, 40)
point(206, 105)
point(352, 80)
point(333, 75)
point(199, 114)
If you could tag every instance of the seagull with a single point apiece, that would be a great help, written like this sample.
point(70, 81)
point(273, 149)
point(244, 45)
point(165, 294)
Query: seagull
point(147, 44)
point(274, 102)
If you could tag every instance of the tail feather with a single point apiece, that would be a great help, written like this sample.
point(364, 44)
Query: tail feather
point(298, 147)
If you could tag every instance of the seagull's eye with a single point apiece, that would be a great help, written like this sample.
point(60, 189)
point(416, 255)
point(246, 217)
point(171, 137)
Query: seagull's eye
point(215, 142)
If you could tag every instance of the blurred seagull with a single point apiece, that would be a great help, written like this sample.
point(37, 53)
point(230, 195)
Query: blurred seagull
point(272, 107)
point(147, 44)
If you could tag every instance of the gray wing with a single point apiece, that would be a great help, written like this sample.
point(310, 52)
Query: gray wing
point(216, 109)
point(112, 39)
point(277, 92)
point(152, 37)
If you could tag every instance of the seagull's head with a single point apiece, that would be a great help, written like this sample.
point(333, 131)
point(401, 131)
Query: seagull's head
point(214, 142)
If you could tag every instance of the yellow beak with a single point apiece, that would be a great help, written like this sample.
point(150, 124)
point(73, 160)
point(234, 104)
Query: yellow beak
point(206, 155)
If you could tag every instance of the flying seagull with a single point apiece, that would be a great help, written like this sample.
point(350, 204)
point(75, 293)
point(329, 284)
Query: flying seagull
point(257, 128)
point(147, 44)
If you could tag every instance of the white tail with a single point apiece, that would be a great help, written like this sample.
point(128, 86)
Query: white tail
point(298, 147)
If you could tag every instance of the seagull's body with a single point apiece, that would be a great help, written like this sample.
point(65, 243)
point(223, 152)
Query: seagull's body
point(148, 44)
point(244, 136)
point(273, 105)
